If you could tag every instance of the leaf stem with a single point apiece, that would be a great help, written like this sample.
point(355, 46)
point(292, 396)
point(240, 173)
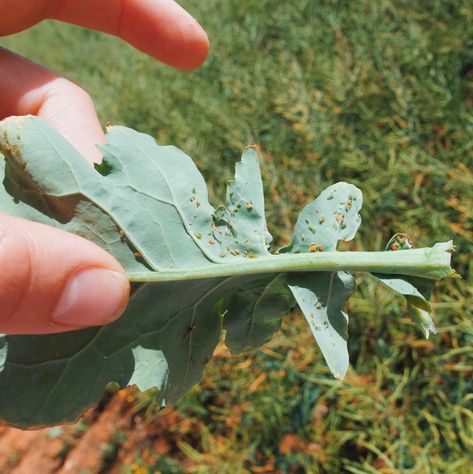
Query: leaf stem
point(432, 263)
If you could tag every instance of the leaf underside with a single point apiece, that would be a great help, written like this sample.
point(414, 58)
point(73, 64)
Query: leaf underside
point(148, 206)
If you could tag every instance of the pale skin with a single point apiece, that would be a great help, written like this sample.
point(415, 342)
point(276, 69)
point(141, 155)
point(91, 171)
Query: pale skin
point(52, 281)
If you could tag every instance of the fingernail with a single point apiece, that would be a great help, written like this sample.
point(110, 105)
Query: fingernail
point(92, 297)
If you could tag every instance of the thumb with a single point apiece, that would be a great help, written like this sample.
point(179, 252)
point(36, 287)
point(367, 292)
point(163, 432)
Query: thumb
point(53, 281)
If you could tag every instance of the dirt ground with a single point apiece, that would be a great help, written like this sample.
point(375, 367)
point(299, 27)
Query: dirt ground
point(106, 440)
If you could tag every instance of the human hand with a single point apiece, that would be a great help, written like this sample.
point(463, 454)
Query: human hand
point(50, 280)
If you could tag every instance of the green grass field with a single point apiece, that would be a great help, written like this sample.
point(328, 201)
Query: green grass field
point(376, 93)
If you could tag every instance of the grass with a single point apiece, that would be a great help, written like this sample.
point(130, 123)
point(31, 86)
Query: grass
point(376, 93)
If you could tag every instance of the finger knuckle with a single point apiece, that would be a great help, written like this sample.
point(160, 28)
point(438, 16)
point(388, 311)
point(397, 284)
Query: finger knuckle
point(61, 88)
point(15, 273)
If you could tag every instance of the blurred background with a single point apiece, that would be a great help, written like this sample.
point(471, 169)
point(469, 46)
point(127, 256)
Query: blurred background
point(376, 93)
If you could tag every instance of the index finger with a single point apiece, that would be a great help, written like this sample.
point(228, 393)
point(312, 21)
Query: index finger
point(160, 28)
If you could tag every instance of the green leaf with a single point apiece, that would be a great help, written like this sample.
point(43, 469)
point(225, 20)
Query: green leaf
point(321, 297)
point(415, 290)
point(200, 267)
point(45, 172)
point(330, 218)
point(255, 311)
point(167, 220)
point(151, 369)
point(52, 379)
point(244, 223)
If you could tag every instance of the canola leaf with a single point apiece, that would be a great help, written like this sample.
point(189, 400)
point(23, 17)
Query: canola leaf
point(187, 230)
point(167, 216)
point(245, 214)
point(151, 370)
point(255, 312)
point(50, 182)
point(333, 216)
point(321, 297)
point(163, 340)
point(416, 290)
point(330, 218)
point(144, 199)
point(52, 379)
point(147, 205)
point(422, 319)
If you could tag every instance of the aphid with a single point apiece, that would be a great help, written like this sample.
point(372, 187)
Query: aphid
point(223, 254)
point(321, 219)
point(194, 201)
point(198, 235)
point(338, 217)
point(313, 248)
point(249, 205)
point(212, 241)
point(138, 255)
point(318, 305)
